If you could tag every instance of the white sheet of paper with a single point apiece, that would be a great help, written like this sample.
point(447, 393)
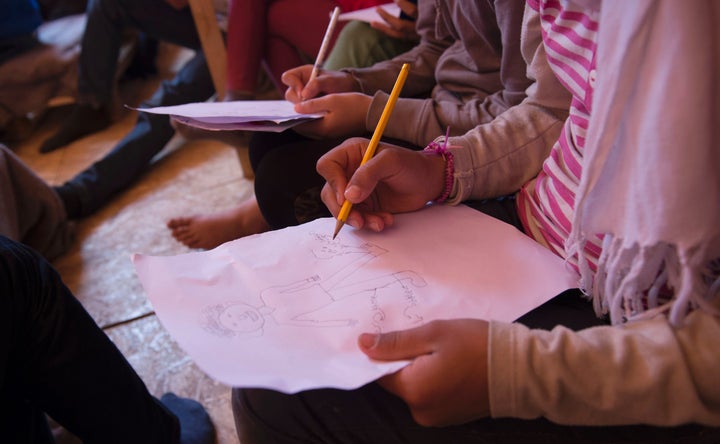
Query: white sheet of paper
point(370, 14)
point(241, 111)
point(264, 126)
point(283, 309)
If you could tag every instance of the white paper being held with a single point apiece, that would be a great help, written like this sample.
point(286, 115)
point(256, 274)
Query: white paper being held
point(284, 309)
point(249, 115)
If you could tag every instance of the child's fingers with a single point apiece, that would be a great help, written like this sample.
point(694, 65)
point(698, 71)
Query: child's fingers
point(409, 8)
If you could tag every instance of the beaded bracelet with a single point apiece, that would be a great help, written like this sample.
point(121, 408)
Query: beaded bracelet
point(444, 151)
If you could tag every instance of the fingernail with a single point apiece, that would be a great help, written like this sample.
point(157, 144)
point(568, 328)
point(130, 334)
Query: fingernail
point(368, 340)
point(352, 193)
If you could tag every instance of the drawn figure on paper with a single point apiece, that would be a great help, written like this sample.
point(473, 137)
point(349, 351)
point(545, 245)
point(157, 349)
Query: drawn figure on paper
point(319, 302)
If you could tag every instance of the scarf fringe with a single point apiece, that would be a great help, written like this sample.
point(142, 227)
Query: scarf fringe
point(629, 281)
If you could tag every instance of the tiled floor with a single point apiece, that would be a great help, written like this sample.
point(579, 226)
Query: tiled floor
point(188, 177)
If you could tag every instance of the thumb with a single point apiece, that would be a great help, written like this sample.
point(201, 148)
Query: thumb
point(396, 345)
point(311, 106)
point(311, 89)
point(366, 178)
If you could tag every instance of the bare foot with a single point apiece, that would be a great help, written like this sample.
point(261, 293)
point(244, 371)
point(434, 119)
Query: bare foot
point(210, 230)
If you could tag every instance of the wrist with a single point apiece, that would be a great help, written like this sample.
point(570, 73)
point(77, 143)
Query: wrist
point(351, 82)
point(439, 147)
point(365, 105)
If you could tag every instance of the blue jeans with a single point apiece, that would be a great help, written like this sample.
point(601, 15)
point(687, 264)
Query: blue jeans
point(133, 154)
point(107, 20)
point(54, 359)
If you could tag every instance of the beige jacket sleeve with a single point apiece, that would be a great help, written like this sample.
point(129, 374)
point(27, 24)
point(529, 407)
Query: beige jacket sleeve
point(644, 372)
point(497, 158)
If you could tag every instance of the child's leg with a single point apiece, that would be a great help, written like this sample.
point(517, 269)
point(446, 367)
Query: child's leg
point(54, 358)
point(207, 231)
point(30, 211)
point(287, 186)
point(246, 40)
point(359, 45)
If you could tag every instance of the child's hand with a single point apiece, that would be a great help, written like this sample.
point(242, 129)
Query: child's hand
point(395, 180)
point(447, 382)
point(397, 27)
point(295, 79)
point(327, 82)
point(344, 115)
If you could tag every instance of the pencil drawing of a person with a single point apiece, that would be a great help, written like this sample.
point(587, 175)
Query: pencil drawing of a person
point(305, 303)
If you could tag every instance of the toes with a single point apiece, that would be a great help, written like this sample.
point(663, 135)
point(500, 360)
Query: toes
point(179, 222)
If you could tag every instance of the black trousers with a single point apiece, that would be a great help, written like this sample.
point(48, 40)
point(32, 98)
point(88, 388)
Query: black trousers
point(54, 359)
point(372, 415)
point(287, 187)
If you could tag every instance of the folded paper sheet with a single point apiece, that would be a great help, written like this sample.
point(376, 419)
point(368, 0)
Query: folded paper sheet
point(248, 115)
point(283, 309)
point(370, 14)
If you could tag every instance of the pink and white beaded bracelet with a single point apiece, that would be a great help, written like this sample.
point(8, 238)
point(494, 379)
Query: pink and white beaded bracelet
point(444, 150)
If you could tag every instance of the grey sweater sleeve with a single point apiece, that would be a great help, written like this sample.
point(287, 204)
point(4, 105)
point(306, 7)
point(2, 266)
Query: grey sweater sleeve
point(449, 85)
point(423, 58)
point(643, 372)
point(496, 159)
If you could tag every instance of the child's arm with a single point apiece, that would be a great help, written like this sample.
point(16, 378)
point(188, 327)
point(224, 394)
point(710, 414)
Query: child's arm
point(472, 81)
point(642, 372)
point(498, 158)
point(423, 59)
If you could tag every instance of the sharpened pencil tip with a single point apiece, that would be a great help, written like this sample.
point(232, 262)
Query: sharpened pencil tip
point(338, 225)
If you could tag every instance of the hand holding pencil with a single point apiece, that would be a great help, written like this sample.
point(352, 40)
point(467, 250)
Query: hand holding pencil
point(395, 180)
point(328, 82)
point(372, 146)
point(297, 79)
point(370, 151)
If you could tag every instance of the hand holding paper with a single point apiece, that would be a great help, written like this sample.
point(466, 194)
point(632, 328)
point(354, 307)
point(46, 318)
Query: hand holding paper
point(370, 14)
point(387, 18)
point(343, 115)
point(398, 27)
point(449, 376)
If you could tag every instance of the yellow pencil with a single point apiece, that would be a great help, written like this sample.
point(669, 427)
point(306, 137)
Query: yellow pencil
point(372, 146)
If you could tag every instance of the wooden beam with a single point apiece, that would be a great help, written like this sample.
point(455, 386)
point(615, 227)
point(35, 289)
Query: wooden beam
point(212, 42)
